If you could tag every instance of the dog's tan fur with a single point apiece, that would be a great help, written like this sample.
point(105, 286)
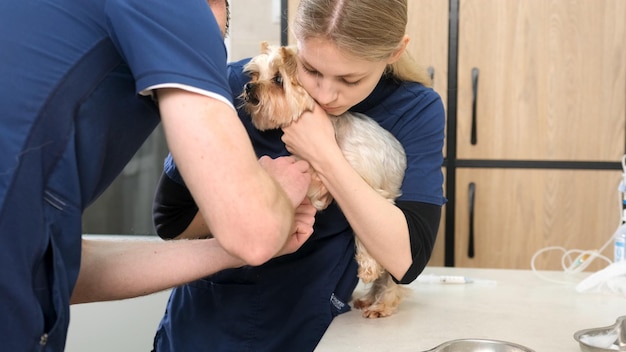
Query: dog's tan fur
point(274, 98)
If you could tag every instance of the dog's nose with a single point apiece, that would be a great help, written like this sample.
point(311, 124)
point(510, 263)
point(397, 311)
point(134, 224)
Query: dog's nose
point(250, 90)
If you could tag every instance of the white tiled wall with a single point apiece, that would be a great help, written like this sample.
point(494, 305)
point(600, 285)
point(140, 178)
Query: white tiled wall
point(252, 21)
point(120, 326)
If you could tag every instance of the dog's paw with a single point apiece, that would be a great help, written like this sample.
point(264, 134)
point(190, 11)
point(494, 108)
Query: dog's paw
point(373, 311)
point(362, 303)
point(382, 299)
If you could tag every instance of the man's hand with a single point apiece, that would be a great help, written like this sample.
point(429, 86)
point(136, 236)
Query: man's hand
point(291, 174)
point(303, 227)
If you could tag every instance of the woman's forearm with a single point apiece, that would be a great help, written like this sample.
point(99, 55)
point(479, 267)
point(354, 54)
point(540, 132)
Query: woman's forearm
point(380, 225)
point(120, 269)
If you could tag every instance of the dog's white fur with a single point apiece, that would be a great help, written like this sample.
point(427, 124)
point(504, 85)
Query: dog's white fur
point(274, 98)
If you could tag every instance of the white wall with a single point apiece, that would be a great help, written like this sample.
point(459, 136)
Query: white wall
point(252, 21)
point(121, 326)
point(117, 326)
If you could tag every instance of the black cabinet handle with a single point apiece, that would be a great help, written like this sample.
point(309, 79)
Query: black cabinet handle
point(471, 196)
point(473, 137)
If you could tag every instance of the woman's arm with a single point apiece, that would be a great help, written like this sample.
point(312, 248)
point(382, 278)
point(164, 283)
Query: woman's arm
point(400, 240)
point(175, 213)
point(380, 225)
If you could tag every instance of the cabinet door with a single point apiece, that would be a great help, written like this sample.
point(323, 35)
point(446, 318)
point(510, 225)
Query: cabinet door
point(428, 29)
point(513, 213)
point(550, 79)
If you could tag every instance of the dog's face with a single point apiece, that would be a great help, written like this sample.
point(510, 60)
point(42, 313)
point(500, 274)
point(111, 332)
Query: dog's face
point(274, 97)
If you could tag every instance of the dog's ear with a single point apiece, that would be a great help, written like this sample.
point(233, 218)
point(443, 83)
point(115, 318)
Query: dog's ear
point(300, 98)
point(265, 47)
point(290, 61)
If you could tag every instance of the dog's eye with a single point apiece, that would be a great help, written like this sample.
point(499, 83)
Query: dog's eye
point(278, 80)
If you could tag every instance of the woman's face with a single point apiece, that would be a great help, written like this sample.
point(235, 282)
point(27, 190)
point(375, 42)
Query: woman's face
point(336, 80)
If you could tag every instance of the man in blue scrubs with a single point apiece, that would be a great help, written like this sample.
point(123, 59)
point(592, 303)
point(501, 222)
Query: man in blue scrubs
point(80, 81)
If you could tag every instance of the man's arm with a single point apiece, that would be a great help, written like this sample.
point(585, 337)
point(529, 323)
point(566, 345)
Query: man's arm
point(119, 269)
point(247, 211)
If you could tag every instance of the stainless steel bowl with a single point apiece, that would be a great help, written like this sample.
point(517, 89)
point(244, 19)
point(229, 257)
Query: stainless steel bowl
point(604, 339)
point(479, 345)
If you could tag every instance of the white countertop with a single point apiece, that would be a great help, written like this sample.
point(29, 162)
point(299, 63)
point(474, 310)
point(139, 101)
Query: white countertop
point(520, 307)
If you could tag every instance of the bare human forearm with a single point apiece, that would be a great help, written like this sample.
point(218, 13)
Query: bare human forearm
point(120, 269)
point(304, 214)
point(380, 225)
point(248, 211)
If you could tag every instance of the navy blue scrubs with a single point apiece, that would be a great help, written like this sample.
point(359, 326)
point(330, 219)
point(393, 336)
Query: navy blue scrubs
point(71, 117)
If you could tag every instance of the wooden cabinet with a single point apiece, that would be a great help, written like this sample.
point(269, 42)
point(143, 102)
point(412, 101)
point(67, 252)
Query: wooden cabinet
point(428, 29)
point(541, 80)
point(540, 120)
point(536, 128)
point(505, 215)
point(535, 93)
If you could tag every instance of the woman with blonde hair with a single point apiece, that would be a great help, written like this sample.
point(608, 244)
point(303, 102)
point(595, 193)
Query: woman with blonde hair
point(370, 30)
point(351, 57)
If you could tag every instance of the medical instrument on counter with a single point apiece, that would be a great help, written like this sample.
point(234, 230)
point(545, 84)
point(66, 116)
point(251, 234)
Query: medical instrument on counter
point(450, 279)
point(611, 279)
point(619, 238)
point(619, 243)
point(585, 257)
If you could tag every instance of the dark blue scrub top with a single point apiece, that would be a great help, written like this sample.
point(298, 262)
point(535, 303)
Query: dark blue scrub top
point(70, 119)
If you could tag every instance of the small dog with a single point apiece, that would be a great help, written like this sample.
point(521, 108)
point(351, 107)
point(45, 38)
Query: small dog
point(274, 98)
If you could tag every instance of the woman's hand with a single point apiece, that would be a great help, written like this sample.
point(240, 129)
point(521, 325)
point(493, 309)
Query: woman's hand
point(312, 137)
